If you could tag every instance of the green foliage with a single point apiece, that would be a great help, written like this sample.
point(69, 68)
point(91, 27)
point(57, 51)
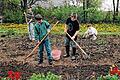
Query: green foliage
point(13, 16)
point(108, 77)
point(94, 3)
point(40, 10)
point(103, 29)
point(12, 12)
point(94, 15)
point(5, 79)
point(10, 32)
point(49, 76)
point(63, 12)
point(101, 42)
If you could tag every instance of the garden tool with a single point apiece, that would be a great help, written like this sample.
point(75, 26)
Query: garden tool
point(25, 17)
point(85, 56)
point(40, 41)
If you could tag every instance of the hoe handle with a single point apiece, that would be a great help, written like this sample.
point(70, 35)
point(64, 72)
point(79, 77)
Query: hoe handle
point(77, 45)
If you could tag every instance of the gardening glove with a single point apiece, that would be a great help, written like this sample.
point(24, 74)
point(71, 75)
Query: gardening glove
point(48, 30)
point(37, 42)
point(65, 30)
point(73, 37)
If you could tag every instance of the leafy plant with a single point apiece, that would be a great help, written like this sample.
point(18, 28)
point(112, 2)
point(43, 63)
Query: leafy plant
point(10, 32)
point(5, 78)
point(48, 76)
point(101, 42)
point(108, 77)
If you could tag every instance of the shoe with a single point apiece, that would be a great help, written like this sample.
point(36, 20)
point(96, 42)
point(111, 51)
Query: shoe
point(73, 58)
point(67, 52)
point(40, 62)
point(66, 56)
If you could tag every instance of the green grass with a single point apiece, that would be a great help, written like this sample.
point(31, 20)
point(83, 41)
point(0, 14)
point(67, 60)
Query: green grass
point(21, 29)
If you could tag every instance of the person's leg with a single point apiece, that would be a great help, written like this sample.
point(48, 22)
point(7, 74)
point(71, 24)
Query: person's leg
point(94, 37)
point(40, 53)
point(48, 49)
point(73, 48)
point(67, 47)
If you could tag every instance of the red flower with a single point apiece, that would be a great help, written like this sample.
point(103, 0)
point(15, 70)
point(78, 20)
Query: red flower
point(11, 75)
point(115, 68)
point(17, 75)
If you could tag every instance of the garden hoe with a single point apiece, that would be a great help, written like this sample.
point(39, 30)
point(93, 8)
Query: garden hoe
point(39, 43)
point(85, 56)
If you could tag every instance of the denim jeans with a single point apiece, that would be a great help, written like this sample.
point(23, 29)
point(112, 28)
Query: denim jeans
point(47, 45)
point(69, 42)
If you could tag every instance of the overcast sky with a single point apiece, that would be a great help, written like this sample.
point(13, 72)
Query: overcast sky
point(108, 5)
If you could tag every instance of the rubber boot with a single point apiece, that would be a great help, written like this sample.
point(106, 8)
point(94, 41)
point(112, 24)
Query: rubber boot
point(40, 61)
point(73, 53)
point(50, 61)
point(67, 52)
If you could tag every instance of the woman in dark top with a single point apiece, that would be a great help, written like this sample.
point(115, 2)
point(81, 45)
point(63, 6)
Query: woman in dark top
point(72, 28)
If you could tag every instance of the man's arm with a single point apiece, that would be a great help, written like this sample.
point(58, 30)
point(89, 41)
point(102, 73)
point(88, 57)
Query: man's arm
point(48, 26)
point(65, 28)
point(36, 33)
point(75, 34)
point(77, 30)
point(85, 34)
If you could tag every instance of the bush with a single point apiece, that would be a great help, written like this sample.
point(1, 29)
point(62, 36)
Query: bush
point(13, 16)
point(62, 13)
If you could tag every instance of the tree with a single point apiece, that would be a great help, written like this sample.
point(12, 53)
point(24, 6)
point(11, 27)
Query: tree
point(84, 8)
point(90, 6)
point(117, 7)
point(115, 10)
point(25, 3)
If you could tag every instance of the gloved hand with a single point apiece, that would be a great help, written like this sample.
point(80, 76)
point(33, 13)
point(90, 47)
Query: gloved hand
point(65, 30)
point(48, 30)
point(37, 42)
point(73, 37)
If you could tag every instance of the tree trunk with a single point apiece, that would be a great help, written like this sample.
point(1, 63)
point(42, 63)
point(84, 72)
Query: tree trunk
point(117, 8)
point(113, 11)
point(84, 15)
point(87, 6)
point(25, 4)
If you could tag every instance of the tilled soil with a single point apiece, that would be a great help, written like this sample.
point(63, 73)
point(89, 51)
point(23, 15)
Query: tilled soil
point(103, 52)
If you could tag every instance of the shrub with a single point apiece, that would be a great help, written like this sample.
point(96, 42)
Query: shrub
point(13, 16)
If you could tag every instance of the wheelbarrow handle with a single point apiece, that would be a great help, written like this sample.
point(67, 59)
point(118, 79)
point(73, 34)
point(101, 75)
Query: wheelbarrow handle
point(41, 41)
